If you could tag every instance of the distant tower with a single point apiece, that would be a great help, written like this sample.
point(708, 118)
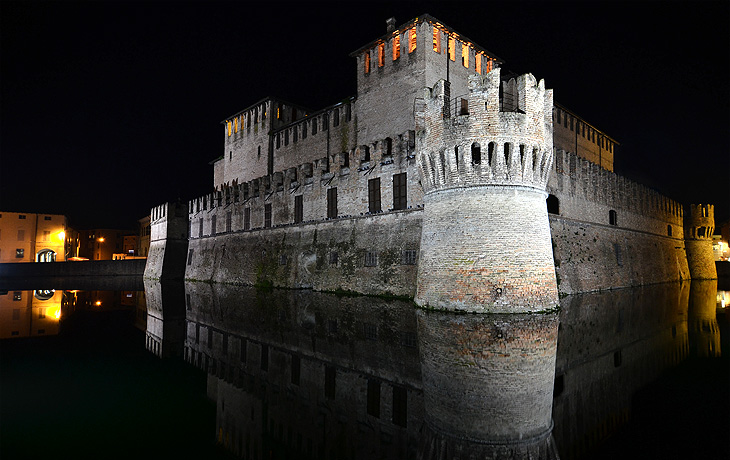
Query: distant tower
point(168, 242)
point(699, 224)
point(488, 378)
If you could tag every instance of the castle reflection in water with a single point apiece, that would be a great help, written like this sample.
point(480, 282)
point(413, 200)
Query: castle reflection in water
point(301, 374)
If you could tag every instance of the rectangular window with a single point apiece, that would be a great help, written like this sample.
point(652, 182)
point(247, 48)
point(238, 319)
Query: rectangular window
point(374, 195)
point(200, 228)
point(267, 215)
point(478, 63)
point(47, 218)
point(381, 55)
point(21, 235)
point(408, 257)
point(412, 40)
point(336, 117)
point(295, 133)
point(373, 398)
point(436, 40)
point(367, 61)
point(400, 406)
point(334, 258)
point(371, 331)
point(264, 357)
point(332, 203)
point(329, 382)
point(298, 209)
point(399, 191)
point(452, 48)
point(296, 367)
point(19, 253)
point(21, 216)
point(247, 219)
point(396, 47)
point(212, 225)
point(465, 55)
point(229, 219)
point(190, 256)
point(17, 295)
point(314, 126)
point(371, 259)
point(286, 137)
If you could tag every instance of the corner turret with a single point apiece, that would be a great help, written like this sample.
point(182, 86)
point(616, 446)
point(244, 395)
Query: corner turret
point(699, 224)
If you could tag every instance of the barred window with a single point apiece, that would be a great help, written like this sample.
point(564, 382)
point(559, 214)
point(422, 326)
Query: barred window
point(371, 259)
point(408, 257)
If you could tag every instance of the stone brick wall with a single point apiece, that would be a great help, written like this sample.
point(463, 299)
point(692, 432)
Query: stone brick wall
point(573, 134)
point(168, 241)
point(699, 225)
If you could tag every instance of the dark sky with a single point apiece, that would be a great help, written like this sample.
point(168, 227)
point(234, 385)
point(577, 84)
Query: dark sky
point(108, 109)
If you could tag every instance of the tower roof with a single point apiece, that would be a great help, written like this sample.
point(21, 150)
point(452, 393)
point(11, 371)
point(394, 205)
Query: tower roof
point(428, 18)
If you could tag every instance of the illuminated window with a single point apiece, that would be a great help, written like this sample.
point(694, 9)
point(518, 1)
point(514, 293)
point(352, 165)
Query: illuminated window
point(412, 40)
point(478, 63)
point(235, 125)
point(229, 128)
point(278, 112)
point(465, 55)
point(436, 40)
point(367, 61)
point(396, 47)
point(381, 55)
point(452, 48)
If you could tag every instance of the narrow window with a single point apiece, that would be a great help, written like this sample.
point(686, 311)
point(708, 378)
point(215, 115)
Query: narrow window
point(295, 133)
point(348, 113)
point(332, 203)
point(298, 209)
point(374, 195)
point(345, 160)
point(229, 219)
point(553, 204)
point(412, 40)
point(190, 256)
point(437, 40)
point(669, 230)
point(329, 382)
point(267, 215)
point(246, 219)
point(373, 397)
point(278, 140)
point(465, 55)
point(259, 153)
point(367, 61)
point(325, 122)
point(305, 128)
point(612, 219)
point(264, 357)
point(336, 117)
point(229, 128)
point(286, 137)
point(399, 191)
point(367, 154)
point(296, 367)
point(476, 153)
point(396, 47)
point(314, 126)
point(212, 225)
point(388, 146)
point(507, 153)
point(381, 55)
point(334, 258)
point(478, 63)
point(200, 228)
point(400, 406)
point(452, 48)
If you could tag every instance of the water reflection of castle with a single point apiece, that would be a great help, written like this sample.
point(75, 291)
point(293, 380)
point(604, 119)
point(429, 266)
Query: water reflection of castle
point(307, 375)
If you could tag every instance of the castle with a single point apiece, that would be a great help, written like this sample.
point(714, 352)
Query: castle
point(451, 182)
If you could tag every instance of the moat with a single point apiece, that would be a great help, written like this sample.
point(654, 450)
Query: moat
point(138, 368)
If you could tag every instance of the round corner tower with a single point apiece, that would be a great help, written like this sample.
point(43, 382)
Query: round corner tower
point(699, 224)
point(485, 244)
point(484, 161)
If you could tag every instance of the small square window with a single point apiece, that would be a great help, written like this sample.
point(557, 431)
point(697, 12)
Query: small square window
point(18, 295)
point(371, 259)
point(19, 253)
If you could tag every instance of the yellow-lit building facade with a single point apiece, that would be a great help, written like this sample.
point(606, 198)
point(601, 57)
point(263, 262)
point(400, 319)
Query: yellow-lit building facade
point(30, 237)
point(101, 243)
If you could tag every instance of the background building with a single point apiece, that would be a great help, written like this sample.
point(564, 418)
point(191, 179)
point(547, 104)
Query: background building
point(30, 237)
point(101, 243)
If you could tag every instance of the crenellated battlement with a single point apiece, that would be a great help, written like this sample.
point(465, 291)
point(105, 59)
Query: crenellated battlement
point(486, 137)
point(700, 222)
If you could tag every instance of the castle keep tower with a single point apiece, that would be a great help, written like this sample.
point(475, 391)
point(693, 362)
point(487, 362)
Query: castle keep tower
point(485, 245)
point(699, 224)
point(484, 161)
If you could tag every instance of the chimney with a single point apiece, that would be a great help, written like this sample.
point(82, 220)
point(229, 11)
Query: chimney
point(391, 25)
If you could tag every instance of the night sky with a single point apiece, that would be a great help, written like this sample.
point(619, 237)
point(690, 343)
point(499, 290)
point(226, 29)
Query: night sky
point(108, 109)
